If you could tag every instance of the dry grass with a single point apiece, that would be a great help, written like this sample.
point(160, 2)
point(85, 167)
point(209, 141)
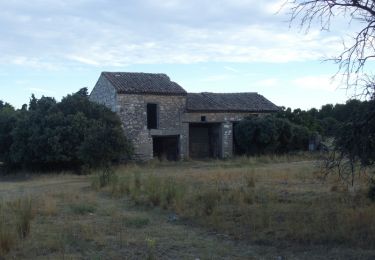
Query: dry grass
point(246, 208)
point(272, 203)
point(15, 219)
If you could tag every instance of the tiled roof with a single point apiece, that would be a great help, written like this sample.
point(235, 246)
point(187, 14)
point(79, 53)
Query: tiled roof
point(228, 102)
point(143, 83)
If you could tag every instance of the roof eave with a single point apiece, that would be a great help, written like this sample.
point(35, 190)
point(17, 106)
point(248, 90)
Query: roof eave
point(150, 93)
point(229, 111)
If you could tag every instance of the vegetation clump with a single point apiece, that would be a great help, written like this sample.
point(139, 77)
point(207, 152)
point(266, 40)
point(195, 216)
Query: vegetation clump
point(15, 221)
point(270, 135)
point(71, 134)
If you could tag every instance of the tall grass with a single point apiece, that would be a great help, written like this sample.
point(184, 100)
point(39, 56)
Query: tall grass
point(265, 203)
point(15, 221)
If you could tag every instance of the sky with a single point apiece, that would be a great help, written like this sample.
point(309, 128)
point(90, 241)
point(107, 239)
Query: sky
point(54, 48)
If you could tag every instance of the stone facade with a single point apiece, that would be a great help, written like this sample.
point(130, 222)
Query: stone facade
point(210, 133)
point(133, 114)
point(105, 94)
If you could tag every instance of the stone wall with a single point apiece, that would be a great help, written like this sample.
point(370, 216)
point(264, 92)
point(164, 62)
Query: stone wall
point(219, 117)
point(226, 120)
point(104, 93)
point(172, 119)
point(133, 113)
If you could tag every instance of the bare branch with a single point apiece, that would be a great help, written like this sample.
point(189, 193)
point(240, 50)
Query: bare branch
point(351, 62)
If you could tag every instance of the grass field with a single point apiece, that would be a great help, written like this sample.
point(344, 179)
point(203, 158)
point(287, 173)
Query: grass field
point(245, 208)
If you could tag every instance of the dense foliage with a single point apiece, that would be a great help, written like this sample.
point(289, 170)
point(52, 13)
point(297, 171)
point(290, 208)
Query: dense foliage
point(326, 120)
point(261, 135)
point(355, 139)
point(57, 135)
point(350, 125)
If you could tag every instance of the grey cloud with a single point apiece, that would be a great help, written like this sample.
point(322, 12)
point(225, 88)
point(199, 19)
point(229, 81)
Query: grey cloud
point(124, 32)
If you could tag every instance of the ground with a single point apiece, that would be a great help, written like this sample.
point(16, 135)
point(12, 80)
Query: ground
point(73, 219)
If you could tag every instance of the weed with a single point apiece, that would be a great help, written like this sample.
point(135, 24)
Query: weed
point(23, 216)
point(49, 207)
point(151, 243)
point(7, 239)
point(250, 182)
point(154, 189)
point(276, 202)
point(103, 177)
point(82, 208)
point(15, 221)
point(170, 192)
point(137, 181)
point(136, 222)
point(121, 185)
point(209, 200)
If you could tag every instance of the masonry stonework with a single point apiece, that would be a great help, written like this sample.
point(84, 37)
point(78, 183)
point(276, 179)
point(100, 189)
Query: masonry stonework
point(178, 112)
point(104, 93)
point(133, 114)
point(226, 119)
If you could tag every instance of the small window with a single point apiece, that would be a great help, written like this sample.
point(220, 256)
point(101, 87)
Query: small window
point(203, 118)
point(152, 116)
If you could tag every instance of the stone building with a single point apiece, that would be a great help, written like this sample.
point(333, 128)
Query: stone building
point(163, 120)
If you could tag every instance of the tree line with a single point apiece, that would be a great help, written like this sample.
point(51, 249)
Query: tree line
point(71, 134)
point(350, 126)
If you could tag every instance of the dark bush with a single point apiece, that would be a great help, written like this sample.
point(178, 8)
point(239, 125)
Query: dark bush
point(8, 118)
point(52, 135)
point(262, 135)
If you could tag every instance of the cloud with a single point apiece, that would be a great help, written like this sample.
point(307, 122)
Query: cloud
point(317, 82)
point(49, 34)
point(231, 69)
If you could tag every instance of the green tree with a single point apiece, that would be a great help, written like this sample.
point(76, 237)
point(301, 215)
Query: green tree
point(68, 134)
point(262, 135)
point(8, 117)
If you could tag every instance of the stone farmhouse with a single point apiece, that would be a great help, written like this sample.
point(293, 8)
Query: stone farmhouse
point(163, 120)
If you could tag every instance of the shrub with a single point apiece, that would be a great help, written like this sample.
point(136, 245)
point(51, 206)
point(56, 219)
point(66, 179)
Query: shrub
point(52, 135)
point(264, 135)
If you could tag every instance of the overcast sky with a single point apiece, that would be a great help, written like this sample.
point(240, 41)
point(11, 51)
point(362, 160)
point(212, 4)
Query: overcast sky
point(54, 48)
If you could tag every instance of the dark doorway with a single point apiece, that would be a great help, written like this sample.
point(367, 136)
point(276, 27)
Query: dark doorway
point(166, 147)
point(205, 140)
point(237, 150)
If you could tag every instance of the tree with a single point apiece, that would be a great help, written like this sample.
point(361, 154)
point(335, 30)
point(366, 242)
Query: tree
point(351, 62)
point(69, 134)
point(8, 117)
point(355, 140)
point(270, 135)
